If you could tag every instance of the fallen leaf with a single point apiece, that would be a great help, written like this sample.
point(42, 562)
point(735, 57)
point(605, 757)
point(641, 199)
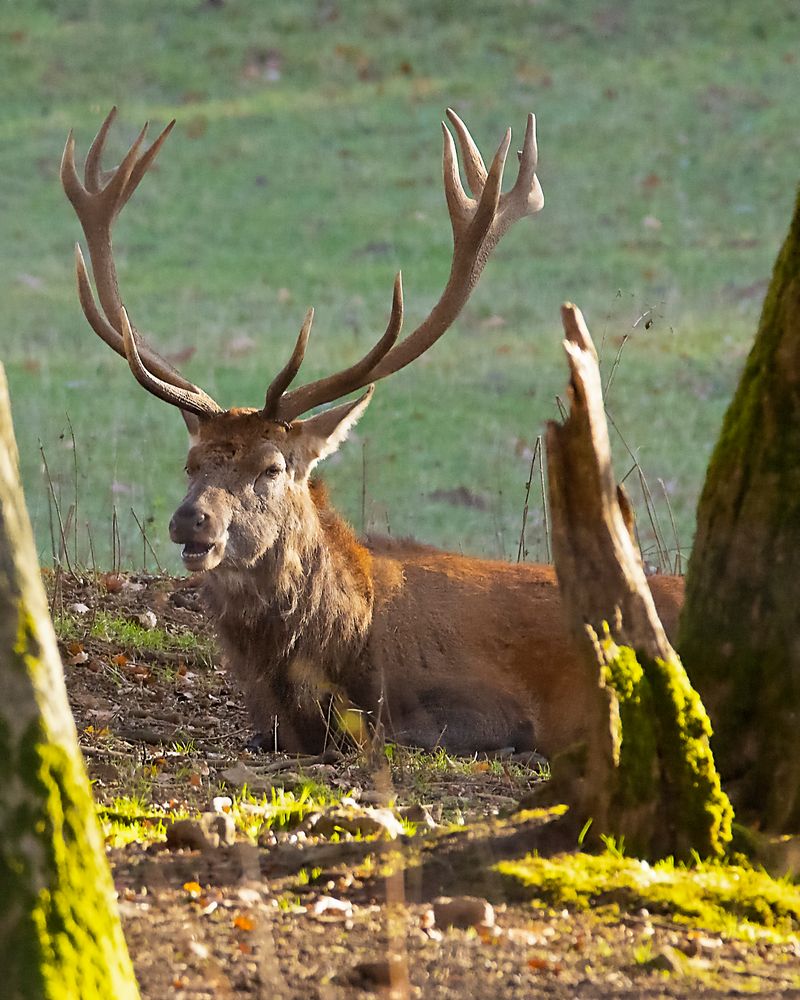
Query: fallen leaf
point(243, 922)
point(193, 888)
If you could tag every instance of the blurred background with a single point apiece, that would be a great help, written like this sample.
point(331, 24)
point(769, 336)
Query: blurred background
point(305, 168)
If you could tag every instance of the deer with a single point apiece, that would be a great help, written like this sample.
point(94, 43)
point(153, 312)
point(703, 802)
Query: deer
point(426, 647)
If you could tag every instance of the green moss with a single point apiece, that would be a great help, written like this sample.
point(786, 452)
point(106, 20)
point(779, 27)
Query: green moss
point(665, 758)
point(62, 939)
point(698, 802)
point(733, 899)
point(637, 763)
point(129, 820)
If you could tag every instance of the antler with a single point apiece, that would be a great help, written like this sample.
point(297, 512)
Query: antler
point(478, 225)
point(97, 202)
point(478, 222)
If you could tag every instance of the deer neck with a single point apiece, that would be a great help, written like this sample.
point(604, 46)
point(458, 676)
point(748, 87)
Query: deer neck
point(310, 595)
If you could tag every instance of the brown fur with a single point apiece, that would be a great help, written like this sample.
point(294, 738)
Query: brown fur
point(436, 648)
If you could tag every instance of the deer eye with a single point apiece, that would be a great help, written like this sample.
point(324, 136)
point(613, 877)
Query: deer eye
point(268, 476)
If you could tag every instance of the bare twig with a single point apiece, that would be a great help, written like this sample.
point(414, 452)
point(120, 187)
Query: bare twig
point(64, 548)
point(678, 551)
point(521, 550)
point(146, 544)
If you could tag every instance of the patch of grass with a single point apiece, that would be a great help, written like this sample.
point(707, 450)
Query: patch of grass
point(440, 762)
point(668, 159)
point(131, 636)
point(132, 820)
point(732, 899)
point(281, 809)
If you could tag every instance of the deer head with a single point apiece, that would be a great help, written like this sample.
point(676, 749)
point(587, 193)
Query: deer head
point(249, 468)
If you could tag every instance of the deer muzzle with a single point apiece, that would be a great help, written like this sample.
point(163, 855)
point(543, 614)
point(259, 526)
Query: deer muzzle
point(198, 531)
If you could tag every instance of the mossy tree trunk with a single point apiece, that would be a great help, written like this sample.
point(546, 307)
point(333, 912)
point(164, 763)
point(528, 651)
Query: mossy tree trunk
point(646, 772)
point(60, 934)
point(740, 628)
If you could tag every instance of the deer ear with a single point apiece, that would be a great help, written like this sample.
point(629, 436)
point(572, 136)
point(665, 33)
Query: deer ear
point(192, 422)
point(320, 436)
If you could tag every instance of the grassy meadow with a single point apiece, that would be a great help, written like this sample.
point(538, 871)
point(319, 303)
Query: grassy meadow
point(305, 169)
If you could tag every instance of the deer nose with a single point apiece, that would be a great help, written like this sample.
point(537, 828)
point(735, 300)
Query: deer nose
point(187, 521)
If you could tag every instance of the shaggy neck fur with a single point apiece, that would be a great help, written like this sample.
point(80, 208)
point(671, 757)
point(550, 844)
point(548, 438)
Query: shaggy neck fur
point(306, 603)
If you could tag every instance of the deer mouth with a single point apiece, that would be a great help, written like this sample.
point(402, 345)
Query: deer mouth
point(198, 556)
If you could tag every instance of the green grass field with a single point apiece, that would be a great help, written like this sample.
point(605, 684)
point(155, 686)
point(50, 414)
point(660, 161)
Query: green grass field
point(304, 169)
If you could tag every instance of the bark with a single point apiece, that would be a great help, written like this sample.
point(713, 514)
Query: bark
point(740, 628)
point(60, 934)
point(646, 773)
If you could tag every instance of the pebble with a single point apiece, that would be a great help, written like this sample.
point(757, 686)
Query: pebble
point(365, 823)
point(463, 912)
point(186, 833)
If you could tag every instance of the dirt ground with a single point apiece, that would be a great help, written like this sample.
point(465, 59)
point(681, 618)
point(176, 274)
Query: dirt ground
point(296, 915)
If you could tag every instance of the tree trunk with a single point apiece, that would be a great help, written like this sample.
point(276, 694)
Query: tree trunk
point(740, 628)
point(60, 934)
point(646, 772)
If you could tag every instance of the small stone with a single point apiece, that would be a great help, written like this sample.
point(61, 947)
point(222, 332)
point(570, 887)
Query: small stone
point(463, 912)
point(147, 620)
point(364, 823)
point(241, 775)
point(187, 833)
point(332, 906)
point(199, 949)
point(104, 772)
point(418, 814)
point(529, 758)
point(219, 828)
point(667, 960)
point(79, 608)
point(382, 973)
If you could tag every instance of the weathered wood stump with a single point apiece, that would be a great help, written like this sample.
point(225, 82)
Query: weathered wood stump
point(646, 773)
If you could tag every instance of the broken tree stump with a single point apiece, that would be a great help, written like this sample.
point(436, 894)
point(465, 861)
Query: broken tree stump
point(646, 772)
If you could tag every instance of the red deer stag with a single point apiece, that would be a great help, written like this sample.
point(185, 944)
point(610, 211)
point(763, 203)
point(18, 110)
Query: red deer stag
point(438, 649)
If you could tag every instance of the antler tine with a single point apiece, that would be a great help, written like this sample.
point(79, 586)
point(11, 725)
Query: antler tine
point(474, 167)
point(526, 196)
point(142, 165)
point(292, 404)
point(478, 224)
point(97, 202)
point(459, 204)
point(490, 196)
point(92, 170)
point(196, 402)
point(287, 374)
